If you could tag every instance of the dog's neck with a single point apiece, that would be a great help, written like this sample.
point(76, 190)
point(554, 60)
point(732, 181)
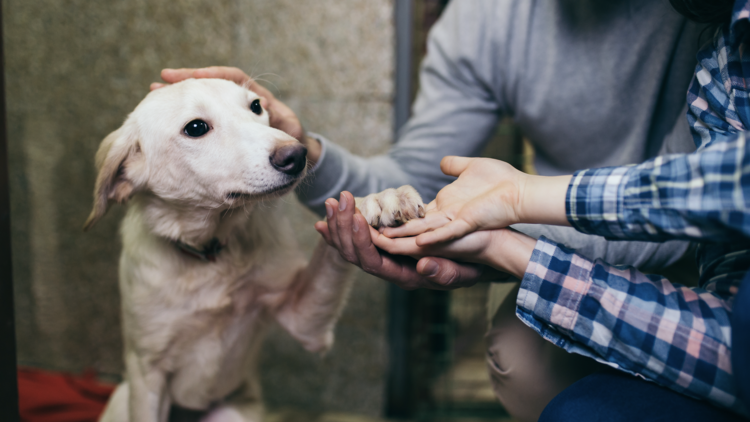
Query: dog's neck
point(195, 227)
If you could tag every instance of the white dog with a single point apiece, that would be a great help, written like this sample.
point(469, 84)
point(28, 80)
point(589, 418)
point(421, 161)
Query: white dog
point(206, 262)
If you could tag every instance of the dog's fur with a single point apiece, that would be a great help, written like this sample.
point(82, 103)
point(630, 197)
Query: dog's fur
point(192, 328)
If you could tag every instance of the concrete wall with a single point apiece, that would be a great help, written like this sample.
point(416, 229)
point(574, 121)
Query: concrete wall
point(75, 68)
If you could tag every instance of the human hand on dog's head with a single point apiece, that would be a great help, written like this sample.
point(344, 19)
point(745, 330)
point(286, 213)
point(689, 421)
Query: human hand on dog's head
point(488, 194)
point(280, 115)
point(347, 231)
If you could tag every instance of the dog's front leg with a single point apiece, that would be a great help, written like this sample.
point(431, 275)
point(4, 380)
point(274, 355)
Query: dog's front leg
point(149, 401)
point(314, 302)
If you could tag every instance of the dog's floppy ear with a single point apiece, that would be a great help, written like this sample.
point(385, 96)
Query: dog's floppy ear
point(117, 154)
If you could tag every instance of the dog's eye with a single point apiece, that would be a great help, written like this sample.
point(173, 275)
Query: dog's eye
point(196, 128)
point(256, 108)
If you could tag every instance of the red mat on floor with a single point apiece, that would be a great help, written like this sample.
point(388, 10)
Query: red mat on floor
point(57, 397)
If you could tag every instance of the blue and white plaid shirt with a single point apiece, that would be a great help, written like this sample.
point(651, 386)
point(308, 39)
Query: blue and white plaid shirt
point(676, 336)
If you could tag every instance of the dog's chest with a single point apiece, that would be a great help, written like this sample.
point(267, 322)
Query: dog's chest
point(214, 363)
point(216, 335)
point(202, 323)
point(203, 340)
point(169, 317)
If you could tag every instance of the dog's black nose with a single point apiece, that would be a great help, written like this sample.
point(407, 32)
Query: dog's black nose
point(290, 159)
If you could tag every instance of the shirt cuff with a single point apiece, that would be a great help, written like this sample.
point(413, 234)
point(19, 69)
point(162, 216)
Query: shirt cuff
point(316, 188)
point(594, 201)
point(553, 287)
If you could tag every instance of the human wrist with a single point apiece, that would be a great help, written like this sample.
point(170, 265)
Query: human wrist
point(508, 251)
point(314, 149)
point(543, 200)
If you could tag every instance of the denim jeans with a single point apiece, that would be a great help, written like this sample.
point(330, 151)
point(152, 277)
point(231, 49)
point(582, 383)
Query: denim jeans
point(741, 341)
point(617, 397)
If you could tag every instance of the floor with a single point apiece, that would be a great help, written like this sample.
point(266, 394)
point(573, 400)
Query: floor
point(296, 416)
point(302, 416)
point(467, 380)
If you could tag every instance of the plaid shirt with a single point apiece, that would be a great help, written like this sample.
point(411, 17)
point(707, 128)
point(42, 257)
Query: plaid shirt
point(676, 336)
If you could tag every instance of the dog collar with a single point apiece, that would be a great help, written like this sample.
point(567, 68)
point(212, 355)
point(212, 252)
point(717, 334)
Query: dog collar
point(208, 253)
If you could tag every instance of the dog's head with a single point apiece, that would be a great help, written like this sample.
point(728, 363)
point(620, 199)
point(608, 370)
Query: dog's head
point(200, 142)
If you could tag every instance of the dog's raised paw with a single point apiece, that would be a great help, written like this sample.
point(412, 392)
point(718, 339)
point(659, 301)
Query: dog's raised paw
point(391, 207)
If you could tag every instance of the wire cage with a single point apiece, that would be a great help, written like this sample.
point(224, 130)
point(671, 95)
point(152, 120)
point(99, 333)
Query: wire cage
point(448, 361)
point(448, 377)
point(438, 365)
point(437, 350)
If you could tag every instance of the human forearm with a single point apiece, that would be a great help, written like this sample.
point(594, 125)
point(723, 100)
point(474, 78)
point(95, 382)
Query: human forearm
point(645, 256)
point(510, 254)
point(543, 200)
point(605, 312)
point(703, 195)
point(337, 170)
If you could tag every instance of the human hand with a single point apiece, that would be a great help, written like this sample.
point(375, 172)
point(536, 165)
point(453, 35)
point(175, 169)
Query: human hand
point(488, 194)
point(505, 250)
point(280, 115)
point(348, 231)
point(485, 196)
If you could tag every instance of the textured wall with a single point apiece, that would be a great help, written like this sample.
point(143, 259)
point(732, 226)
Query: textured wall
point(75, 68)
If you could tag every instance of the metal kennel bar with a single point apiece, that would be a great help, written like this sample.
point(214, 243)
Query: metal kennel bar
point(398, 400)
point(8, 383)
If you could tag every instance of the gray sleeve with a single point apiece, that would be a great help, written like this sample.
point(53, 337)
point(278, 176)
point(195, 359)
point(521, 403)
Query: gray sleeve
point(455, 113)
point(645, 256)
